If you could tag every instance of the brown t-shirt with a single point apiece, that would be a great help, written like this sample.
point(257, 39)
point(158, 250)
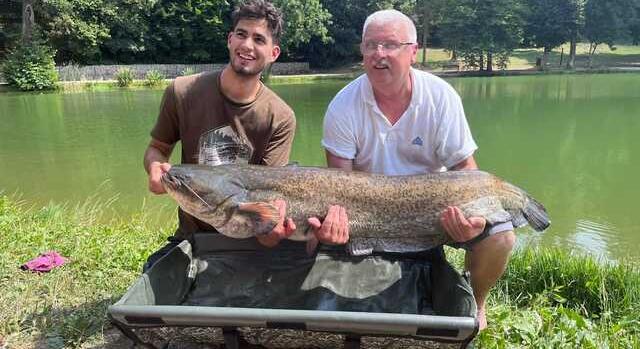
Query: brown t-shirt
point(193, 105)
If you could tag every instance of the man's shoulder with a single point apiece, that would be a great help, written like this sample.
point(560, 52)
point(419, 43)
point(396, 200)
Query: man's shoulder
point(196, 83)
point(349, 95)
point(434, 87)
point(275, 102)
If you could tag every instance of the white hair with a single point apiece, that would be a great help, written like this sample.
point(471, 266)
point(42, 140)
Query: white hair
point(391, 16)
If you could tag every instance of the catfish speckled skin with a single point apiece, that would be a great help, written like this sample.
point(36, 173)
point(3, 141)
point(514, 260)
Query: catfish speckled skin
point(386, 213)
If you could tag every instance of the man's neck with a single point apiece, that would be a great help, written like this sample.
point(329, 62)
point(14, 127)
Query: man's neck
point(239, 88)
point(392, 100)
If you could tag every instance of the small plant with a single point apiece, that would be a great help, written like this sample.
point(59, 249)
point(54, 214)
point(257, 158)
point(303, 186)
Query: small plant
point(30, 66)
point(124, 77)
point(154, 78)
point(187, 71)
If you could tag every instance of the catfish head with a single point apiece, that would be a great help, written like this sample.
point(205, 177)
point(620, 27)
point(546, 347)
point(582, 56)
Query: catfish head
point(205, 194)
point(216, 196)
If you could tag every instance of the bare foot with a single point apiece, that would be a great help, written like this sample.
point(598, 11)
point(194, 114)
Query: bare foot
point(482, 319)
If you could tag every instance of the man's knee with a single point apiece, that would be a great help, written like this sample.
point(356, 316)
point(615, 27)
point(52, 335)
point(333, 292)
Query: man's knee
point(502, 241)
point(505, 240)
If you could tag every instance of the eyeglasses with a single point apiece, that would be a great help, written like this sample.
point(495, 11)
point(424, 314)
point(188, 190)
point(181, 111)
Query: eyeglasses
point(388, 47)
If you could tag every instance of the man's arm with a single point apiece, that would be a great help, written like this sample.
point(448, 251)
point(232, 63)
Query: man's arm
point(156, 159)
point(334, 229)
point(334, 161)
point(466, 164)
point(453, 221)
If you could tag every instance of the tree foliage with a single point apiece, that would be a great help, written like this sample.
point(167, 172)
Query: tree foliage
point(30, 67)
point(548, 24)
point(323, 32)
point(608, 21)
point(483, 31)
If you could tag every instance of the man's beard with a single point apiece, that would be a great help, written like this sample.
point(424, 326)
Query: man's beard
point(246, 71)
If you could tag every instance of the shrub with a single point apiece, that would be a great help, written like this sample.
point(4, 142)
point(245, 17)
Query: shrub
point(188, 71)
point(30, 66)
point(154, 78)
point(124, 77)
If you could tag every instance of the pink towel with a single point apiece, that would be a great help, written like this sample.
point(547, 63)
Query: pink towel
point(45, 262)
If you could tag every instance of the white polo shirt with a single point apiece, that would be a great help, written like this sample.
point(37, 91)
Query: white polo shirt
point(431, 136)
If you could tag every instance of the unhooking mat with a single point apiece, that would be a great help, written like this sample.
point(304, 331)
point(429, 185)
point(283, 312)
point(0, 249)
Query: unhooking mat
point(218, 281)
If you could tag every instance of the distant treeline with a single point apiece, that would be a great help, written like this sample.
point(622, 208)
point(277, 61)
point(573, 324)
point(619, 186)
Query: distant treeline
point(323, 32)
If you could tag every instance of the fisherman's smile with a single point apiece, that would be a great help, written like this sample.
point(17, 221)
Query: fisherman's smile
point(251, 47)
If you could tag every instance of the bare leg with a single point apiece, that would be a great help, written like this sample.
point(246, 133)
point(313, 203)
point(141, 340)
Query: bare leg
point(486, 263)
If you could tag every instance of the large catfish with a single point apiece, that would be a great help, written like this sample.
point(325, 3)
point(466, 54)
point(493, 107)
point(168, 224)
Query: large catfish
point(386, 213)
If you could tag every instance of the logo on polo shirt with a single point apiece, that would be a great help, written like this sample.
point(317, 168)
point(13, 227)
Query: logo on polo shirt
point(417, 141)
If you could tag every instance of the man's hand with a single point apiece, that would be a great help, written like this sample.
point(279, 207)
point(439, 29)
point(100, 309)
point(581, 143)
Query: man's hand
point(282, 230)
point(458, 227)
point(156, 170)
point(334, 230)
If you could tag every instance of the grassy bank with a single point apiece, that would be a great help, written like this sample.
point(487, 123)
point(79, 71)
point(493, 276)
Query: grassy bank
point(548, 299)
point(624, 56)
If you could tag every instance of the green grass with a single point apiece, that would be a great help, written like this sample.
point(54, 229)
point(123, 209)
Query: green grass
point(547, 299)
point(622, 56)
point(67, 306)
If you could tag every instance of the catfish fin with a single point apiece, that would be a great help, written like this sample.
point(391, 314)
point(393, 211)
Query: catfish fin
point(359, 247)
point(536, 215)
point(488, 207)
point(263, 216)
point(250, 219)
point(365, 246)
point(518, 220)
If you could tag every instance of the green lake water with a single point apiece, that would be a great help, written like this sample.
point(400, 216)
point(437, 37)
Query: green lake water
point(572, 141)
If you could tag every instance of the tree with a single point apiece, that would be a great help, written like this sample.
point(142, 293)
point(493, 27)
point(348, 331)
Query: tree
point(189, 31)
point(10, 24)
point(129, 38)
point(483, 31)
point(607, 21)
point(304, 20)
point(576, 24)
point(76, 28)
point(344, 31)
point(548, 24)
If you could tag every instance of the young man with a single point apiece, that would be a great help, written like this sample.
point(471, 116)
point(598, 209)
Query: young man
point(396, 120)
point(232, 102)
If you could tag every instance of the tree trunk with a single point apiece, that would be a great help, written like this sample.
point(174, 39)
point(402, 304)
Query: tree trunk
point(424, 45)
point(592, 51)
point(545, 57)
point(425, 33)
point(571, 62)
point(27, 20)
point(489, 62)
point(481, 61)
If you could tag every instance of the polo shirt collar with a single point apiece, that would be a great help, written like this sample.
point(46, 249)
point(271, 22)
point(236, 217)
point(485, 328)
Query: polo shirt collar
point(367, 90)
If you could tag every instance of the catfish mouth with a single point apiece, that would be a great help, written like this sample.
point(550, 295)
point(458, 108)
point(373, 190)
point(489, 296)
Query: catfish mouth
point(197, 205)
point(178, 185)
point(171, 182)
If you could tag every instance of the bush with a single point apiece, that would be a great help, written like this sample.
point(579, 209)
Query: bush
point(188, 71)
point(153, 78)
point(124, 77)
point(30, 66)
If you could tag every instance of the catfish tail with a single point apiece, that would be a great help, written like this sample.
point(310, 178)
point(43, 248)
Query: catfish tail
point(536, 214)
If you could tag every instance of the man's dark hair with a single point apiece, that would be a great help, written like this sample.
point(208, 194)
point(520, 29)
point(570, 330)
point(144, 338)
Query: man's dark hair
point(259, 9)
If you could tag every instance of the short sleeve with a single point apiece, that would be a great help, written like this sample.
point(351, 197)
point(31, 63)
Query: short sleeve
point(338, 136)
point(278, 148)
point(455, 140)
point(167, 127)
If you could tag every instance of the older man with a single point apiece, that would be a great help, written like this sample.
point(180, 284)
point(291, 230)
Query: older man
point(396, 120)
